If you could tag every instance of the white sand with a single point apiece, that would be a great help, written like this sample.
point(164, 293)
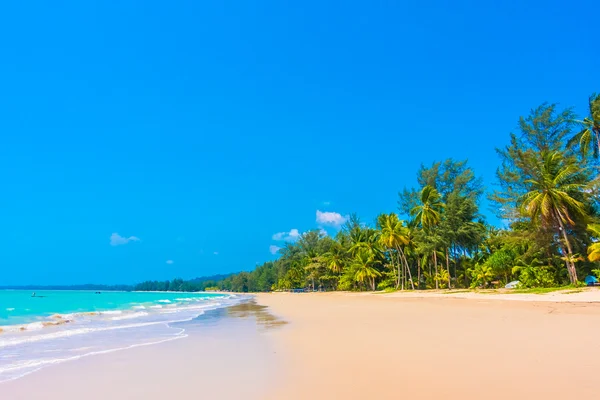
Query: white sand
point(356, 346)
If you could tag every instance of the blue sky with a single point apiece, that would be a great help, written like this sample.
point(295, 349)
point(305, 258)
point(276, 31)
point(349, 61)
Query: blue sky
point(199, 132)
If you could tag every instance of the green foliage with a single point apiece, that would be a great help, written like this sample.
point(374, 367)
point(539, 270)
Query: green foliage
point(501, 262)
point(535, 277)
point(481, 276)
point(546, 194)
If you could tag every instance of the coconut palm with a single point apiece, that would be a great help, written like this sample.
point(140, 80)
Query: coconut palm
point(365, 268)
point(589, 137)
point(554, 181)
point(365, 239)
point(393, 234)
point(594, 249)
point(335, 258)
point(427, 215)
point(428, 212)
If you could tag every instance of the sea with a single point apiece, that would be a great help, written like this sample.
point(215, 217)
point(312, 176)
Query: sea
point(55, 326)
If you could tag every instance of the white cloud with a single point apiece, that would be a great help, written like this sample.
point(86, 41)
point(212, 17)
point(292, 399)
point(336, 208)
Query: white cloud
point(216, 253)
point(331, 218)
point(169, 262)
point(326, 203)
point(290, 236)
point(117, 240)
point(323, 232)
point(274, 249)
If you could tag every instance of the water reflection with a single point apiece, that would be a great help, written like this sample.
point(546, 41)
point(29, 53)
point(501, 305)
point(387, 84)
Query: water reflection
point(264, 319)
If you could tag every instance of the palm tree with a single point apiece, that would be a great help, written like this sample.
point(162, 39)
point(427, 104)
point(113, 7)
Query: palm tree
point(393, 235)
point(594, 249)
point(335, 259)
point(428, 212)
point(590, 134)
point(428, 215)
point(554, 180)
point(365, 271)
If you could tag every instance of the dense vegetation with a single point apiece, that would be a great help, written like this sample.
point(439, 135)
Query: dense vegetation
point(545, 194)
point(179, 285)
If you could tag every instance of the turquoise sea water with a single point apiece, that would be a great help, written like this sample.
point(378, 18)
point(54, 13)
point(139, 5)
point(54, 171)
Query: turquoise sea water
point(18, 306)
point(57, 326)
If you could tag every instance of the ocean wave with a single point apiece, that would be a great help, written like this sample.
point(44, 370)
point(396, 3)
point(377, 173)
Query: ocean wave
point(130, 316)
point(163, 301)
point(29, 341)
point(28, 367)
point(10, 309)
point(16, 340)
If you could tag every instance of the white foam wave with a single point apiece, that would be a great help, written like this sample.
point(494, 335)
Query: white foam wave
point(12, 341)
point(33, 326)
point(163, 301)
point(10, 309)
point(115, 321)
point(130, 316)
point(36, 365)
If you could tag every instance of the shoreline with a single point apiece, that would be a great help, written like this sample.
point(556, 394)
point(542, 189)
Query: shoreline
point(219, 345)
point(352, 346)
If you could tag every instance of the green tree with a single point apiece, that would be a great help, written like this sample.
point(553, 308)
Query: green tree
point(364, 264)
point(551, 201)
point(393, 236)
point(594, 248)
point(589, 137)
point(428, 215)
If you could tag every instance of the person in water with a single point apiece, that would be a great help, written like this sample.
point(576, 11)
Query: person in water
point(33, 294)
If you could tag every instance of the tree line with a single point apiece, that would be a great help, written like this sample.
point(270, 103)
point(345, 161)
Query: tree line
point(546, 195)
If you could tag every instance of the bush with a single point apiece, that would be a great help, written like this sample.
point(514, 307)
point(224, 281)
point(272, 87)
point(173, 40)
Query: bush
point(531, 277)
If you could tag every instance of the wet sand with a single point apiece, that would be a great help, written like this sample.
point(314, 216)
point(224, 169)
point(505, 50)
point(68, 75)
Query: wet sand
point(226, 356)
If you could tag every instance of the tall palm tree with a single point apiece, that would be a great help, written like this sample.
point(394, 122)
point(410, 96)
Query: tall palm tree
point(365, 239)
point(428, 214)
point(554, 181)
point(594, 249)
point(335, 259)
point(393, 235)
point(590, 134)
point(365, 268)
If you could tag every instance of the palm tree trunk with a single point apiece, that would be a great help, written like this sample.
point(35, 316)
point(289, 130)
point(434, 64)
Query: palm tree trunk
point(418, 272)
point(465, 269)
point(570, 263)
point(412, 284)
point(437, 286)
point(400, 271)
point(396, 272)
point(448, 268)
point(373, 283)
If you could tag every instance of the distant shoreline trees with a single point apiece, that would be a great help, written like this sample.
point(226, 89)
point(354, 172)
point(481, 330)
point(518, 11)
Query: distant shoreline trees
point(546, 194)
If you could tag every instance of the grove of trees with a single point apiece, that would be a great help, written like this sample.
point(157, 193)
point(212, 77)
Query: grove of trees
point(545, 194)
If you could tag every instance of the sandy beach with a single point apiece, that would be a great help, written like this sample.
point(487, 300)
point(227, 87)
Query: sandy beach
point(354, 346)
point(412, 345)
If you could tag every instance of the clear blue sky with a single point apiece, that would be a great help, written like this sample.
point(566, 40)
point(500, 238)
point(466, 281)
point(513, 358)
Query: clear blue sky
point(204, 127)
